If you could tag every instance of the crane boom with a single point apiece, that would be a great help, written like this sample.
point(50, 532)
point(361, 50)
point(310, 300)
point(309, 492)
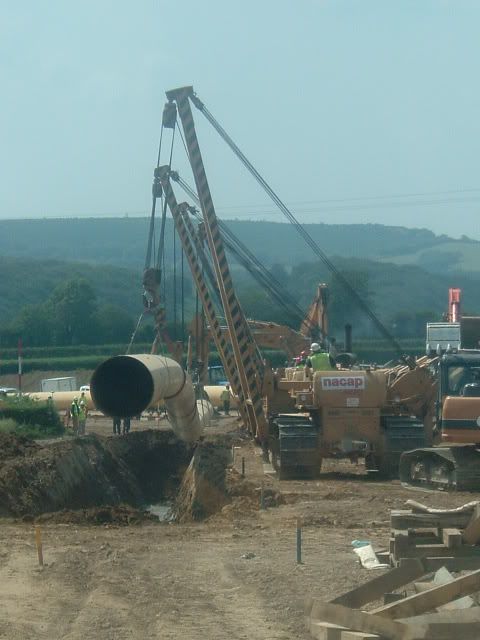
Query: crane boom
point(249, 367)
point(177, 211)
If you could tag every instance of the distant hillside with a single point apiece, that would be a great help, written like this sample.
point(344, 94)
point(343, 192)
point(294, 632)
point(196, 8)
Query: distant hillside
point(27, 281)
point(392, 288)
point(122, 242)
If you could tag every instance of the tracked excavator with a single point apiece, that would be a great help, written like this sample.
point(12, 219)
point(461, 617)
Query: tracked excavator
point(454, 461)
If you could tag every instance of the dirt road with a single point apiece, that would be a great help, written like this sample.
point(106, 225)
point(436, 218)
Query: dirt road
point(233, 576)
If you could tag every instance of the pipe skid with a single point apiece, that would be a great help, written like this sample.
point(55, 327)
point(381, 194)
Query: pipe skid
point(125, 386)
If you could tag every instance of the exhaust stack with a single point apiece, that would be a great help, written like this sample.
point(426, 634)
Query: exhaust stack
point(125, 386)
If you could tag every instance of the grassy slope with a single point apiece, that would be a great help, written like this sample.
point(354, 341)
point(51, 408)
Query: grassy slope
point(122, 241)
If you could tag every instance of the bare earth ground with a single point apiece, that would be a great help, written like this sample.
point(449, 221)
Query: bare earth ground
point(170, 581)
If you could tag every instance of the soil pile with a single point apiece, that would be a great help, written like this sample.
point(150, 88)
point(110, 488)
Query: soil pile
point(121, 515)
point(245, 497)
point(203, 489)
point(87, 472)
point(13, 446)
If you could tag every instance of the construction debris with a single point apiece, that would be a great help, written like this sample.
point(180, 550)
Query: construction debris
point(442, 537)
point(403, 617)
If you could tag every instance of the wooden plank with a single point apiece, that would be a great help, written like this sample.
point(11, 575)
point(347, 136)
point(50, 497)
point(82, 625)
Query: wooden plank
point(376, 587)
point(358, 635)
point(471, 535)
point(325, 630)
point(465, 615)
point(407, 520)
point(418, 507)
point(436, 551)
point(428, 600)
point(451, 563)
point(360, 621)
point(466, 623)
point(452, 538)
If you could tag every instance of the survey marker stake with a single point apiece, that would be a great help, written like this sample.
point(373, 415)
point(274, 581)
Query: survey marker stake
point(299, 541)
point(38, 542)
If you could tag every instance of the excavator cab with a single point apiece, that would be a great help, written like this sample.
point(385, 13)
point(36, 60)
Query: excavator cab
point(458, 423)
point(459, 398)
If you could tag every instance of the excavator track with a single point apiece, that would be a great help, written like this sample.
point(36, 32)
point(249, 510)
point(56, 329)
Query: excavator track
point(294, 446)
point(400, 434)
point(445, 468)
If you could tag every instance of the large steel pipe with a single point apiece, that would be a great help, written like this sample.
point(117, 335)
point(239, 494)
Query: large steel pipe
point(124, 386)
point(62, 400)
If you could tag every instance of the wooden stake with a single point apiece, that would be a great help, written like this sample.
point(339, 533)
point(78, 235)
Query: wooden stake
point(299, 541)
point(38, 542)
point(262, 497)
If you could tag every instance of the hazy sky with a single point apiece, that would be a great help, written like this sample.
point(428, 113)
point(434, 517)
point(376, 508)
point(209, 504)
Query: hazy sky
point(354, 111)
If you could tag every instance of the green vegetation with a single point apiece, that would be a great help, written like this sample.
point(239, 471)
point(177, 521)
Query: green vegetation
point(29, 418)
point(122, 242)
point(83, 307)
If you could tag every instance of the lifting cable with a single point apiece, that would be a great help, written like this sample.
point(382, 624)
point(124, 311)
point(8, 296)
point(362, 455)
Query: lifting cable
point(182, 292)
point(251, 263)
point(161, 240)
point(302, 231)
point(130, 344)
point(175, 285)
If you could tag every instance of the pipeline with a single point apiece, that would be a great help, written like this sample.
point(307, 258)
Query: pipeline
point(62, 400)
point(125, 386)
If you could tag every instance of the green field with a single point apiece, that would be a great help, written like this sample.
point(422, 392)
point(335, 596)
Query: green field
point(88, 357)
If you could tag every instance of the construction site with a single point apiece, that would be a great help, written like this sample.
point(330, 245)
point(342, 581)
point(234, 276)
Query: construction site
point(247, 500)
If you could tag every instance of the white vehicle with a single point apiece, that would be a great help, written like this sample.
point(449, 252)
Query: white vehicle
point(8, 391)
point(59, 384)
point(85, 387)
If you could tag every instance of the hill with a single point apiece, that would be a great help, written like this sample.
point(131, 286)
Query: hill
point(122, 242)
point(27, 281)
point(394, 291)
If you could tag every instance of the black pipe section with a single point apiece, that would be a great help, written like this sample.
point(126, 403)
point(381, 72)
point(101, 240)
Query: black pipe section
point(121, 387)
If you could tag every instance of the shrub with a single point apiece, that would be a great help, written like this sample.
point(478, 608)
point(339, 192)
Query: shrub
point(30, 418)
point(7, 425)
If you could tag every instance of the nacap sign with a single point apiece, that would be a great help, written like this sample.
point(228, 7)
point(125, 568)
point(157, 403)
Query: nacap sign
point(343, 383)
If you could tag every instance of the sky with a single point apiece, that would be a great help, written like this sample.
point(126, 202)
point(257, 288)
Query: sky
point(359, 111)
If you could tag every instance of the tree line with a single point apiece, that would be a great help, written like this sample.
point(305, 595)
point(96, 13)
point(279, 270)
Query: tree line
point(74, 315)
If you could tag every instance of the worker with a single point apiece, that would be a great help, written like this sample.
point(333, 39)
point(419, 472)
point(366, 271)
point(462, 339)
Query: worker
point(75, 413)
point(225, 398)
point(126, 426)
point(82, 417)
point(83, 398)
point(319, 359)
point(117, 423)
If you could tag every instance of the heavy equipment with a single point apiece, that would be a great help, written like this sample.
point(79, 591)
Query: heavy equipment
point(371, 413)
point(375, 413)
point(454, 463)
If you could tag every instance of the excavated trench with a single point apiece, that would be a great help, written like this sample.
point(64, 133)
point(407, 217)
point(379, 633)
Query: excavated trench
point(99, 477)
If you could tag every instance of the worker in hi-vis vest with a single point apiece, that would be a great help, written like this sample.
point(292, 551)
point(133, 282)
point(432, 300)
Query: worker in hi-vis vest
point(319, 359)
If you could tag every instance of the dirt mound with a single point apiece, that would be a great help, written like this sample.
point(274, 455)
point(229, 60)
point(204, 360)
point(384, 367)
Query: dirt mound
point(13, 446)
point(120, 515)
point(245, 497)
point(203, 490)
point(88, 472)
